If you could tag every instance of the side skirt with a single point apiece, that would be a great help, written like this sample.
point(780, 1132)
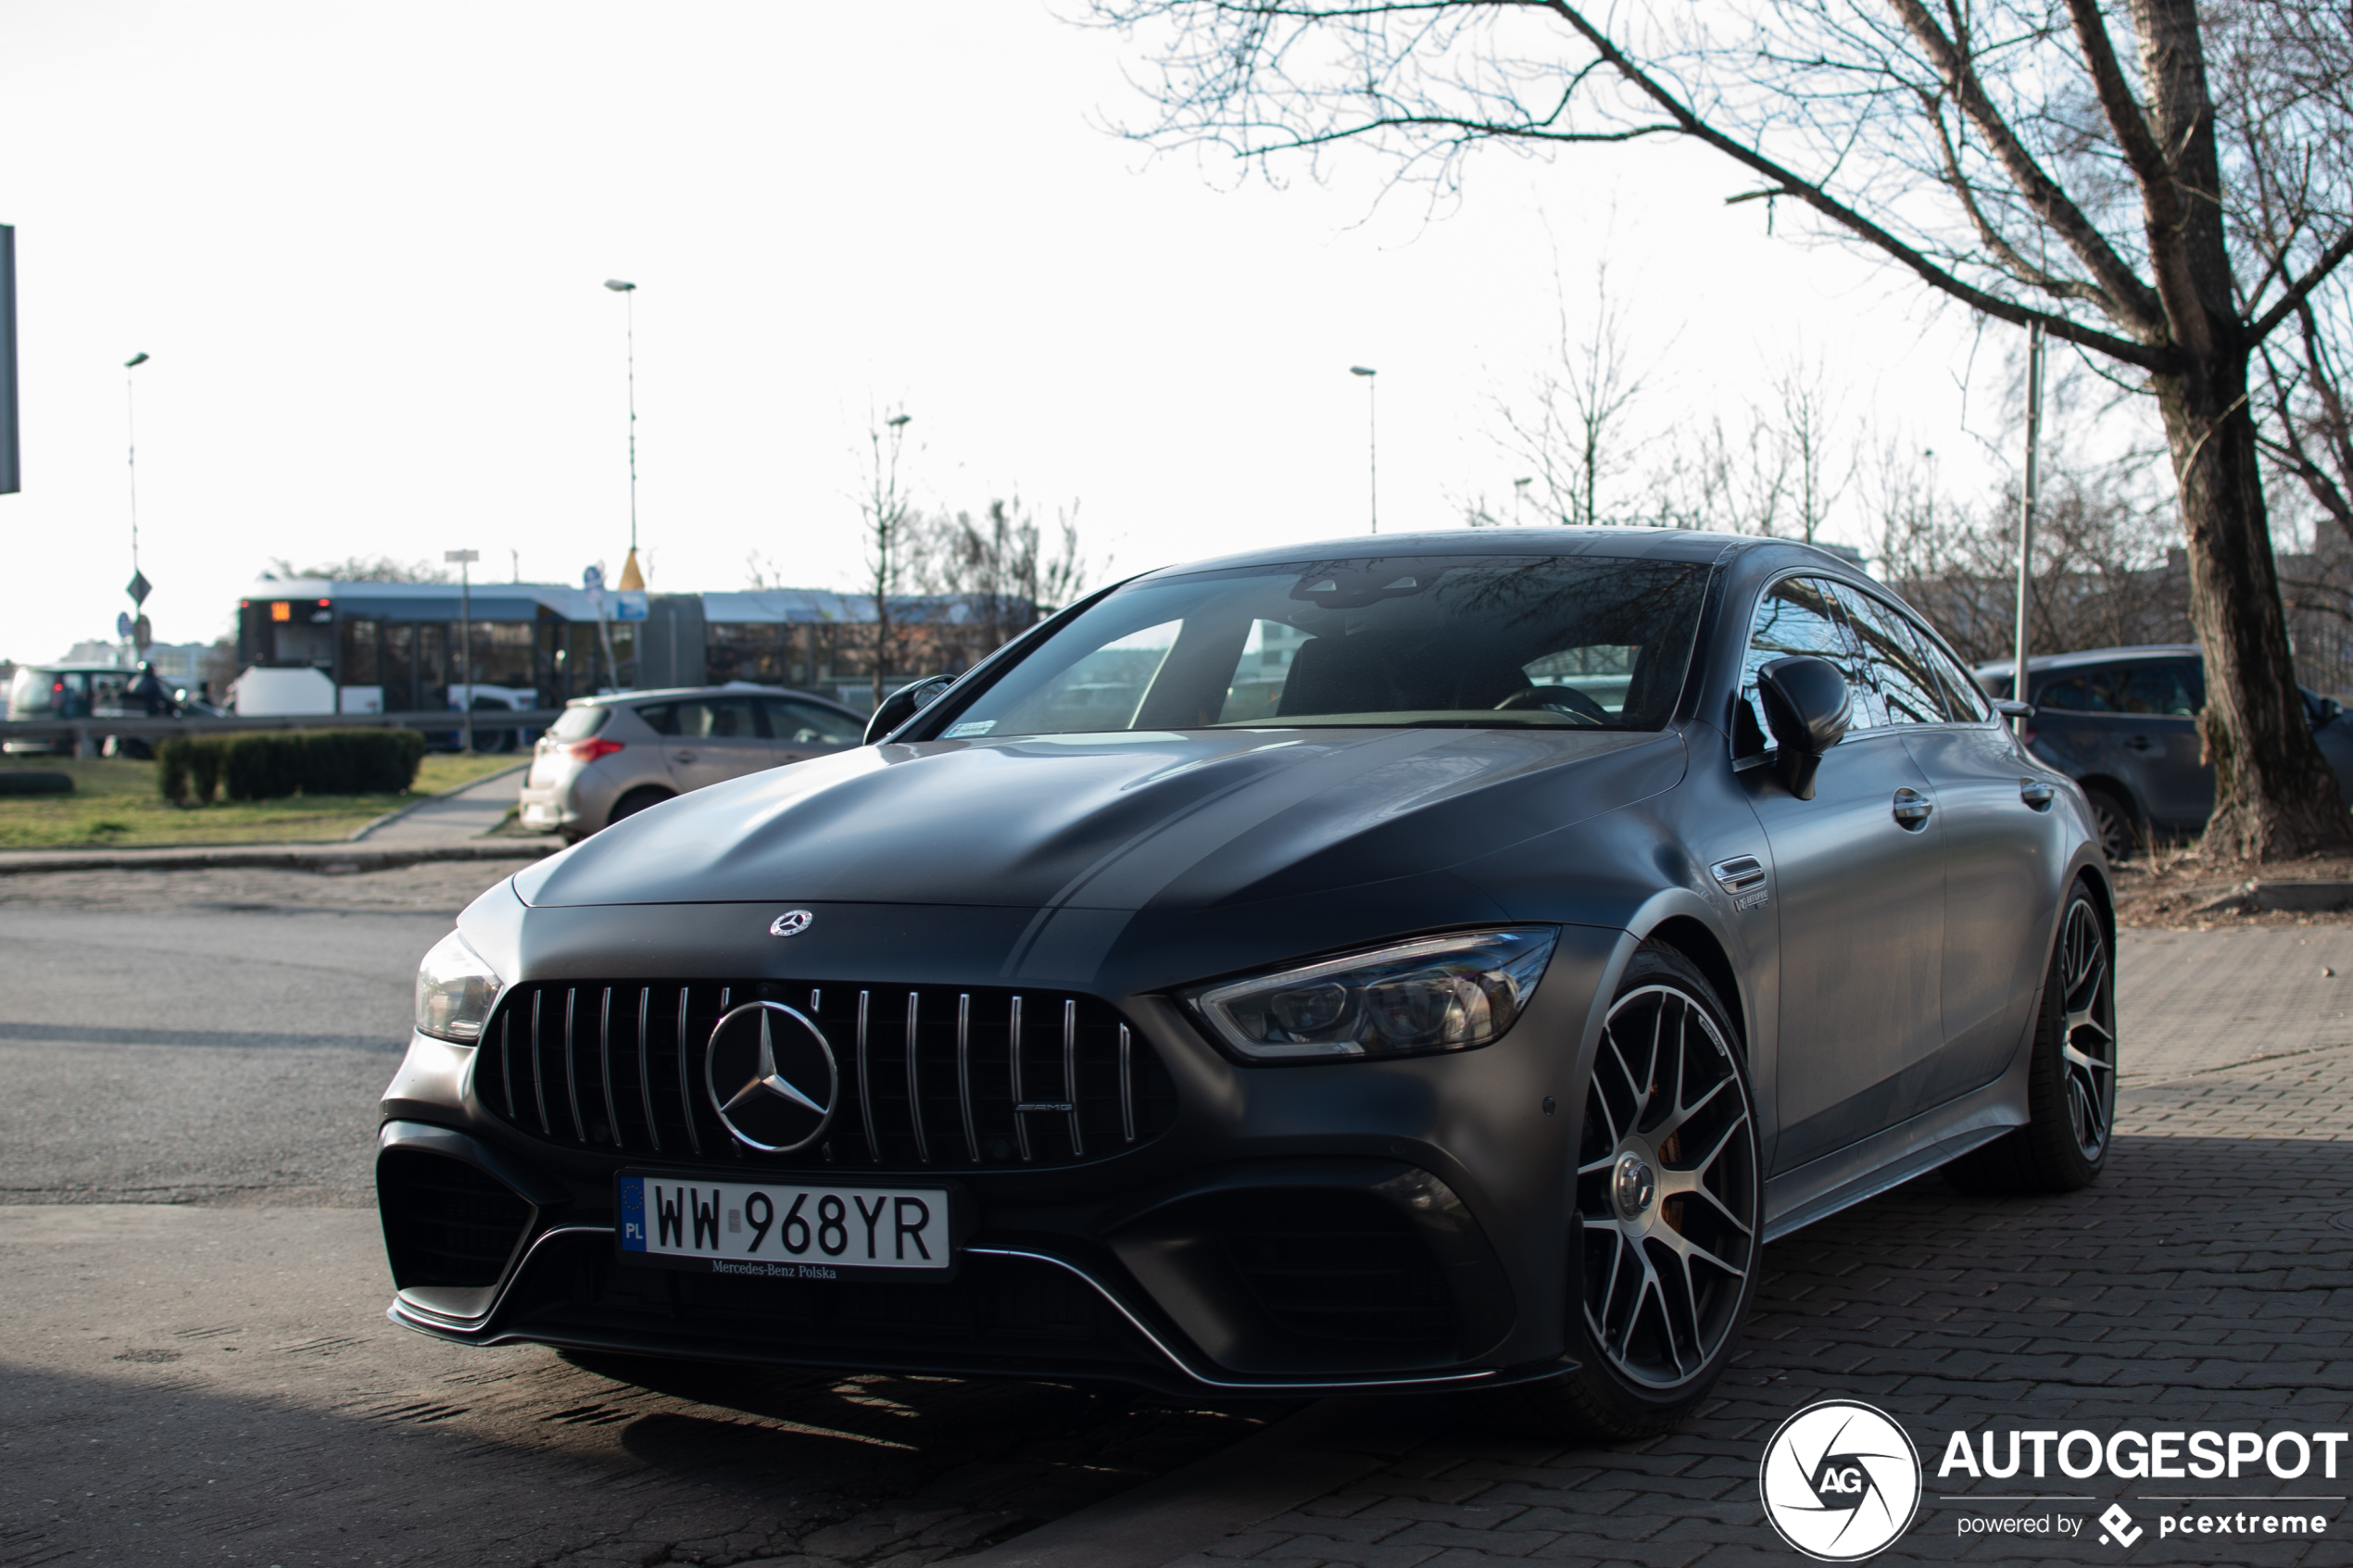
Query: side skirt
point(1822, 1187)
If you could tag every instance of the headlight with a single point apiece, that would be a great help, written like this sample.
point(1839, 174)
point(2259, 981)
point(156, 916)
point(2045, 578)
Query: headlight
point(454, 992)
point(1436, 994)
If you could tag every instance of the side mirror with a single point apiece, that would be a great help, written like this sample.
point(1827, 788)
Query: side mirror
point(904, 705)
point(1806, 707)
point(2330, 710)
point(2010, 708)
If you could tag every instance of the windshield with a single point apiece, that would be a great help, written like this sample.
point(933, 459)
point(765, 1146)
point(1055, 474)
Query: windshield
point(1570, 642)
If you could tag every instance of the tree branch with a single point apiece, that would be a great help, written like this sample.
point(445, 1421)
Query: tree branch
point(2132, 303)
point(2301, 290)
point(2152, 170)
point(1799, 189)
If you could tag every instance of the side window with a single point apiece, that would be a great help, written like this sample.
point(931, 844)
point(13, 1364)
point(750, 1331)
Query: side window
point(661, 718)
point(719, 717)
point(1963, 699)
point(1794, 615)
point(2167, 686)
point(2096, 689)
point(1906, 687)
point(805, 723)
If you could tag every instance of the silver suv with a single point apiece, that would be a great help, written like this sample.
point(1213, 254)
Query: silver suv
point(610, 757)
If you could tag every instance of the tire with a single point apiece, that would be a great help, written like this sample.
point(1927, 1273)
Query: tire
point(637, 800)
point(2117, 823)
point(1653, 1343)
point(2072, 1083)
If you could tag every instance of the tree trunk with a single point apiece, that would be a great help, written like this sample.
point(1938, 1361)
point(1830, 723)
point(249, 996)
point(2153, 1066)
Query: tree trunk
point(2274, 795)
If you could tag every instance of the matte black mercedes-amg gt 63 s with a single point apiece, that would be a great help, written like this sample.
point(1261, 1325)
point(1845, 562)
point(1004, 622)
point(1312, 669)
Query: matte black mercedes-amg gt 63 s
point(1428, 962)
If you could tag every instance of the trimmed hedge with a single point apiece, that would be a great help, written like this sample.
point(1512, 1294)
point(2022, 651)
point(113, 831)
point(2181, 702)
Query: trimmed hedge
point(274, 765)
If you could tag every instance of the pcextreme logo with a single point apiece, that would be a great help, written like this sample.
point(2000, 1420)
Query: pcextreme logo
point(1840, 1481)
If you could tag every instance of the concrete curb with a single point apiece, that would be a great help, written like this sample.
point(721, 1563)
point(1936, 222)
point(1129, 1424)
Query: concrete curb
point(2303, 898)
point(1277, 1469)
point(338, 859)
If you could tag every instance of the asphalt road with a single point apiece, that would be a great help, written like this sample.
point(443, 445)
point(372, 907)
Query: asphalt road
point(197, 1366)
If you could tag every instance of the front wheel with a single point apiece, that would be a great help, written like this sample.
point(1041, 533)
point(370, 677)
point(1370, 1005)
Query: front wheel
point(1669, 1210)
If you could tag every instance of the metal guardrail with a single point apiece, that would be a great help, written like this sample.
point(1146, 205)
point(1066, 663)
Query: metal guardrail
point(82, 734)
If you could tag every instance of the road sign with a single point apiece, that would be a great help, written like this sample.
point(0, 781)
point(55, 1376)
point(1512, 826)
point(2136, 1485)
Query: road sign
point(139, 634)
point(593, 578)
point(629, 604)
point(138, 587)
point(122, 625)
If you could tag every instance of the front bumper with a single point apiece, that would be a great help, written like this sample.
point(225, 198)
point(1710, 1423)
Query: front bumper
point(1353, 1227)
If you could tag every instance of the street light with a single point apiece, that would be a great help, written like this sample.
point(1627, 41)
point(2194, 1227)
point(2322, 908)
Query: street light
point(630, 576)
point(461, 559)
point(1372, 435)
point(137, 587)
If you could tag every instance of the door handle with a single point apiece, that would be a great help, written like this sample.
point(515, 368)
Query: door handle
point(2138, 743)
point(2036, 793)
point(682, 756)
point(1738, 874)
point(1912, 809)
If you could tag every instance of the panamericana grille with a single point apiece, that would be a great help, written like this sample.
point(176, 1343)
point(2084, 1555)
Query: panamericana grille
point(934, 1076)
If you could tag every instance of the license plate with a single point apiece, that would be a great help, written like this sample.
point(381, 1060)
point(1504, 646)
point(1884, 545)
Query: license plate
point(777, 1231)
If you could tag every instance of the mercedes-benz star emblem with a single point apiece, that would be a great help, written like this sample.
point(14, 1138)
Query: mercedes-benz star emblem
point(792, 922)
point(771, 1077)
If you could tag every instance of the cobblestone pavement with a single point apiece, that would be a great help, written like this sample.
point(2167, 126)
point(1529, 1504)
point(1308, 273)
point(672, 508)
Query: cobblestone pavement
point(2206, 1283)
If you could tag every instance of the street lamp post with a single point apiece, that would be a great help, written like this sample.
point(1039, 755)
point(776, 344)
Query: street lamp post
point(1372, 436)
point(462, 559)
point(2026, 506)
point(137, 588)
point(628, 292)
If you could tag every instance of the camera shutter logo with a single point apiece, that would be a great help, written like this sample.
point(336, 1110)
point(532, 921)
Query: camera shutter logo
point(1840, 1481)
point(792, 922)
point(771, 1075)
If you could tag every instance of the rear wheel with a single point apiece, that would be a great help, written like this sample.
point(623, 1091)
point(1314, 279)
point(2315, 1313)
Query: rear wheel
point(637, 800)
point(2117, 823)
point(1668, 1210)
point(2072, 1083)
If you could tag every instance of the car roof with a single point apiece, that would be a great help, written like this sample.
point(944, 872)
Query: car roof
point(2090, 655)
point(733, 688)
point(1655, 544)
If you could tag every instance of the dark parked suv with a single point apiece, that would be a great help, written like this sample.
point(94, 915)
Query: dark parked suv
point(2123, 723)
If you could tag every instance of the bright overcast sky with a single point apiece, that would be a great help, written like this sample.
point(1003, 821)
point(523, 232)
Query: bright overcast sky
point(364, 245)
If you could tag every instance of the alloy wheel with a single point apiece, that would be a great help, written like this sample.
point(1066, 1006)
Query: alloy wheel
point(1666, 1188)
point(2087, 1029)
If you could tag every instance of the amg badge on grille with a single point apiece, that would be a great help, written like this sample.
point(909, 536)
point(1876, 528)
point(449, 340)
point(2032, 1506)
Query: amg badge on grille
point(771, 1077)
point(792, 922)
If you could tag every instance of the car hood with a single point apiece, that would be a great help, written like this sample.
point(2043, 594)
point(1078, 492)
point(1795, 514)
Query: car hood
point(1123, 821)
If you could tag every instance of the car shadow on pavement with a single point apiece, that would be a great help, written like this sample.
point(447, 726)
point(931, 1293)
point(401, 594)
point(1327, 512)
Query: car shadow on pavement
point(2201, 1282)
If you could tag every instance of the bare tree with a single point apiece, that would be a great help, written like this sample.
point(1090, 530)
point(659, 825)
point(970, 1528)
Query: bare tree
point(2310, 433)
point(1001, 565)
point(887, 518)
point(1572, 429)
point(367, 569)
point(2154, 205)
point(1803, 425)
